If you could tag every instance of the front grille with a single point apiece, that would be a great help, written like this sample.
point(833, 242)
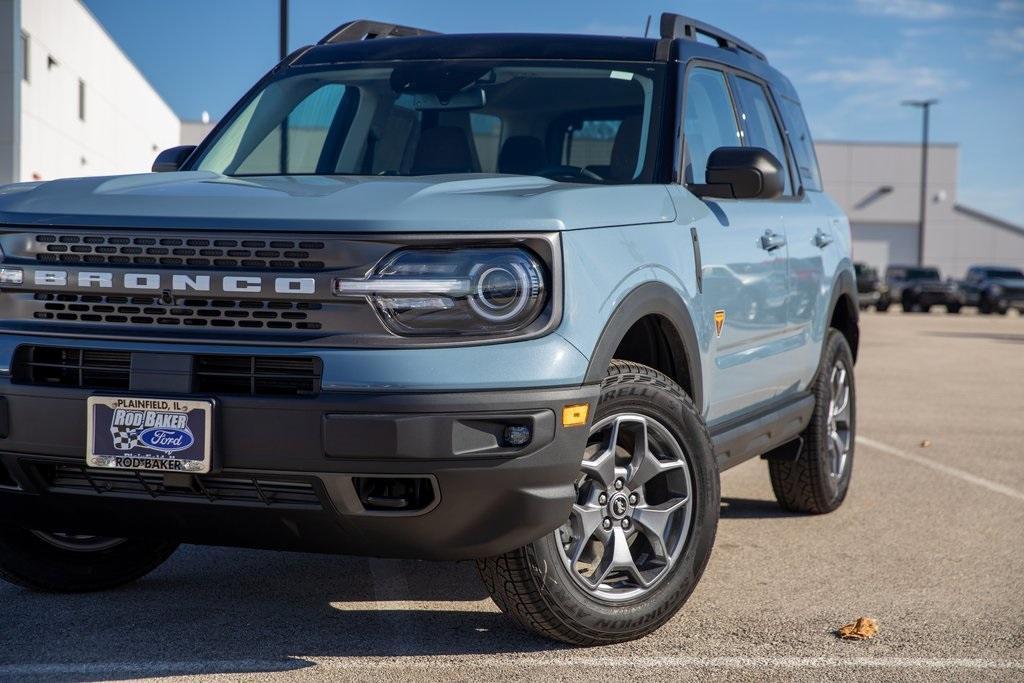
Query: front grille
point(195, 252)
point(256, 375)
point(78, 368)
point(256, 491)
point(111, 370)
point(144, 310)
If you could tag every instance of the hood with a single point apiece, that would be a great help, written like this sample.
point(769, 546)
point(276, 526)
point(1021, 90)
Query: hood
point(200, 199)
point(1006, 282)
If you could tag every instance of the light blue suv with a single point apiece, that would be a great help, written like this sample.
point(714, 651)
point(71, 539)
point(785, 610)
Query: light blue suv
point(510, 298)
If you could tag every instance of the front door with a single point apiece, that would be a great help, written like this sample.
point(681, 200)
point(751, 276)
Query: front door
point(743, 251)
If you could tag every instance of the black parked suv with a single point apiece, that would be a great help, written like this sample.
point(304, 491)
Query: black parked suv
point(869, 288)
point(918, 289)
point(994, 289)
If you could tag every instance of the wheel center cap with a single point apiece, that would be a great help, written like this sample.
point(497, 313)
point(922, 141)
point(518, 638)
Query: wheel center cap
point(618, 506)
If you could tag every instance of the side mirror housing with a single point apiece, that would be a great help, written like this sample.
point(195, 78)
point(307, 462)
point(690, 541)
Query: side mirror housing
point(742, 173)
point(172, 159)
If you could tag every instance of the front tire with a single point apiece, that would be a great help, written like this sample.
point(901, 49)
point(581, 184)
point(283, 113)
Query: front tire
point(818, 480)
point(69, 563)
point(641, 529)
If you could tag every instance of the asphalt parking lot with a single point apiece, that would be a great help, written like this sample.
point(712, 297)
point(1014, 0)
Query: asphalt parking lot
point(930, 543)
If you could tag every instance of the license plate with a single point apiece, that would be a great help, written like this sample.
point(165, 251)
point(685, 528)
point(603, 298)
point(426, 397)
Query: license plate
point(166, 435)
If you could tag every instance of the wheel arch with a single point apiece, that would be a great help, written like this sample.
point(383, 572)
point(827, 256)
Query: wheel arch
point(843, 311)
point(655, 313)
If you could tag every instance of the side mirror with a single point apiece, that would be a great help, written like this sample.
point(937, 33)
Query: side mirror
point(742, 173)
point(171, 160)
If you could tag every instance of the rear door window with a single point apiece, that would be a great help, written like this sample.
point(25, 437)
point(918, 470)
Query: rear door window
point(759, 123)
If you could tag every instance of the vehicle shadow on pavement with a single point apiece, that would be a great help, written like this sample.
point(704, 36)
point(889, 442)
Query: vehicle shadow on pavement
point(750, 508)
point(220, 610)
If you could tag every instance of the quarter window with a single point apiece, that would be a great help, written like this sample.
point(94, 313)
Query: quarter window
point(710, 121)
point(762, 130)
point(801, 143)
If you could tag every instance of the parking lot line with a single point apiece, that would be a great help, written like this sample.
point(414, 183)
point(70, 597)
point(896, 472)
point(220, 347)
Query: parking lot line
point(945, 469)
point(213, 667)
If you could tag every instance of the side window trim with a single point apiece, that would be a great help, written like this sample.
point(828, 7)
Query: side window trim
point(796, 188)
point(725, 71)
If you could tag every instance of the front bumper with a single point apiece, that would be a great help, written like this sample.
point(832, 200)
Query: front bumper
point(288, 472)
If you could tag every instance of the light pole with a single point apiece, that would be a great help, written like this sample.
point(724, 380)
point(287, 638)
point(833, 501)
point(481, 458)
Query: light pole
point(283, 30)
point(925, 107)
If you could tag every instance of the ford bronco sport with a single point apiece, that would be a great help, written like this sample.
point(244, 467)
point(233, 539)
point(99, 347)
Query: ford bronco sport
point(510, 298)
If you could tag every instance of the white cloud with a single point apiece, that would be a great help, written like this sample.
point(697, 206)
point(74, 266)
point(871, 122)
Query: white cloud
point(870, 89)
point(908, 9)
point(881, 75)
point(1009, 39)
point(1010, 6)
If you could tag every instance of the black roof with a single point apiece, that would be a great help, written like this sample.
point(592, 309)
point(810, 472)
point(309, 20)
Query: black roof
point(540, 46)
point(485, 46)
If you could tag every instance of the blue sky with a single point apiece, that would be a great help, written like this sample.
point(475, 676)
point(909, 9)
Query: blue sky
point(852, 61)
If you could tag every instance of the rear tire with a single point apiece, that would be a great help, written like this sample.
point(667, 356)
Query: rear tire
point(64, 563)
point(545, 587)
point(818, 480)
point(882, 307)
point(953, 308)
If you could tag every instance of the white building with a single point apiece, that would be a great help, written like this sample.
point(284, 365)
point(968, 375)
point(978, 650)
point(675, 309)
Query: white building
point(73, 103)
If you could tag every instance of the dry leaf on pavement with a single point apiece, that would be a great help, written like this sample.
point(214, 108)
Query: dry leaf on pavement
point(862, 629)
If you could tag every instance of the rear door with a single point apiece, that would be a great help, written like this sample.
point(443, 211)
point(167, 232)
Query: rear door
point(812, 222)
point(743, 253)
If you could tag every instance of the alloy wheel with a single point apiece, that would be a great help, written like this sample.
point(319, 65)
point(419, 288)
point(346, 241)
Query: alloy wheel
point(840, 431)
point(633, 512)
point(78, 543)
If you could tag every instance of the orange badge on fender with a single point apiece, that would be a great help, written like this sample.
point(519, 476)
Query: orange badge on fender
point(719, 322)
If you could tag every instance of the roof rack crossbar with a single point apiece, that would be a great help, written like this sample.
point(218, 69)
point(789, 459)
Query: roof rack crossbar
point(678, 26)
point(367, 29)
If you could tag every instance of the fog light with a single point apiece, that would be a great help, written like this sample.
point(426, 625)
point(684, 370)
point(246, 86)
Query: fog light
point(517, 435)
point(11, 276)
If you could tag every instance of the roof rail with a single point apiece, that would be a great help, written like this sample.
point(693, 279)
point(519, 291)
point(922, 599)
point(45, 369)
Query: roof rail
point(367, 29)
point(677, 26)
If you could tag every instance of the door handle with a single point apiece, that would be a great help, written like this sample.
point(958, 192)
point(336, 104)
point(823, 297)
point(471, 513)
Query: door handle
point(770, 241)
point(822, 239)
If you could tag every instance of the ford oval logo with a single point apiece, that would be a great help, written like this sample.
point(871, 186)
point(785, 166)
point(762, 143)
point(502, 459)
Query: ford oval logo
point(166, 439)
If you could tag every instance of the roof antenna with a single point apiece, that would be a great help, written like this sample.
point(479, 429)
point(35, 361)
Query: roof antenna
point(647, 26)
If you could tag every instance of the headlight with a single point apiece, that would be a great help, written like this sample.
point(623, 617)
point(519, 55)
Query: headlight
point(454, 291)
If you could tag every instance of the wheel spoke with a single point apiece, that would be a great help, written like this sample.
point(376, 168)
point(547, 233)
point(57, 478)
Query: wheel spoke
point(602, 468)
point(646, 467)
point(617, 557)
point(587, 519)
point(655, 519)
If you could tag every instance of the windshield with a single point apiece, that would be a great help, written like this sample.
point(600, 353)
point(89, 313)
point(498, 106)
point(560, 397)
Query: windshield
point(923, 274)
point(577, 122)
point(1004, 274)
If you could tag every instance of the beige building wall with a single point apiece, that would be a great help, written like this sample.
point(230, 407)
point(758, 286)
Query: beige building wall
point(878, 185)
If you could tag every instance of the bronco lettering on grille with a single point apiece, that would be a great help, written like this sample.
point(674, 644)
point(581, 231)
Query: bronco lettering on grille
point(179, 282)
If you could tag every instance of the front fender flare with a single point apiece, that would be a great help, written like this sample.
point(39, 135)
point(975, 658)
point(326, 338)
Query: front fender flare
point(651, 298)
